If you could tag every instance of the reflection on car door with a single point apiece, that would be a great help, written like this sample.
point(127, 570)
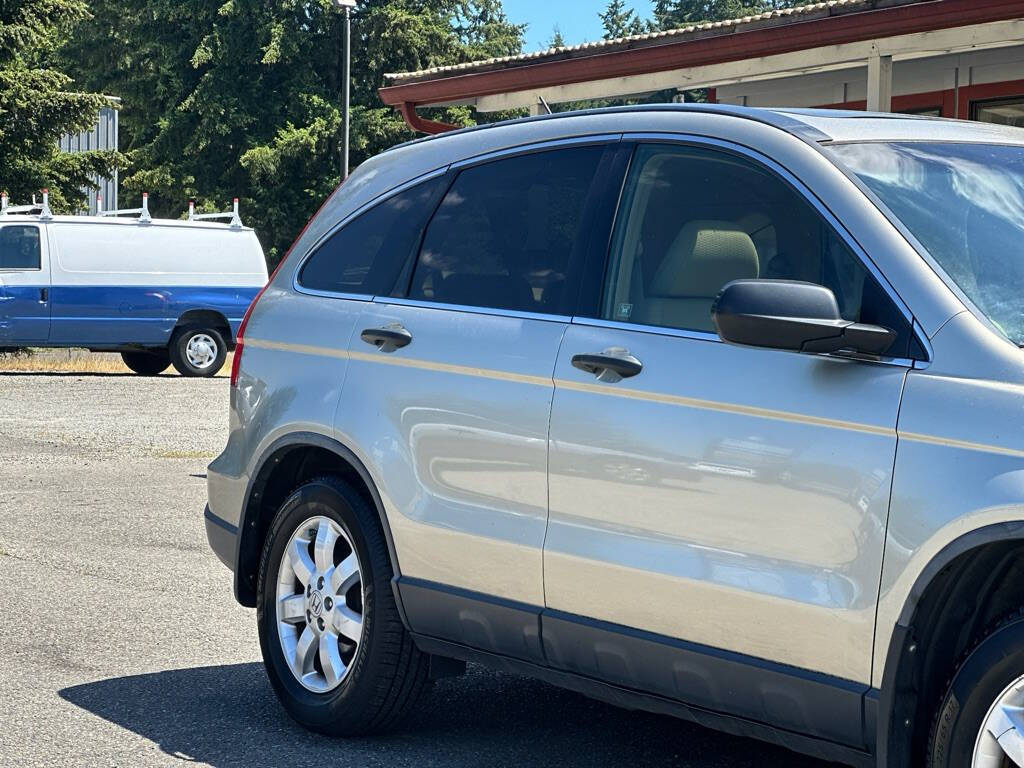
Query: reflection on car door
point(459, 370)
point(24, 284)
point(728, 497)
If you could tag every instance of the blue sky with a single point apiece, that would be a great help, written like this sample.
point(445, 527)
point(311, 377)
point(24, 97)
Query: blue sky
point(576, 18)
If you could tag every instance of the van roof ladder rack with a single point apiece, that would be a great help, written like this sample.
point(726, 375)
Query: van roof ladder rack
point(236, 221)
point(143, 212)
point(42, 210)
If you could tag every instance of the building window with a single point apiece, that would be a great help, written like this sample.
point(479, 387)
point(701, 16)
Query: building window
point(1000, 111)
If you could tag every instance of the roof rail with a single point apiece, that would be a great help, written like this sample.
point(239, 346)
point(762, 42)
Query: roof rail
point(143, 212)
point(40, 209)
point(236, 221)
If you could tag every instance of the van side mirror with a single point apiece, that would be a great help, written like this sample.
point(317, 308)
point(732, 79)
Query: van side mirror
point(786, 314)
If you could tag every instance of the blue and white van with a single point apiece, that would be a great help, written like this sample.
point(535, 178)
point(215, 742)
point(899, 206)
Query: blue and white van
point(160, 292)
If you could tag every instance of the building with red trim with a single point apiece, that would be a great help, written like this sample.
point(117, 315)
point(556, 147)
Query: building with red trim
point(952, 58)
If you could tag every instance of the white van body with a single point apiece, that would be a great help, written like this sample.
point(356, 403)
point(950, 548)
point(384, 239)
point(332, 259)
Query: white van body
point(123, 284)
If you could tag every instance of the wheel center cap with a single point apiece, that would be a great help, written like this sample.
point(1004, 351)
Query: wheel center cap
point(316, 604)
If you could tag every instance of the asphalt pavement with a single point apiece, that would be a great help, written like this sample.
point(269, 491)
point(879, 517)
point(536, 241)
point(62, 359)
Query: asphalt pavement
point(121, 643)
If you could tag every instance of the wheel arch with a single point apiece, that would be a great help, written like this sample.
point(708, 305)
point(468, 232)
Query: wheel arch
point(286, 463)
point(959, 591)
point(210, 318)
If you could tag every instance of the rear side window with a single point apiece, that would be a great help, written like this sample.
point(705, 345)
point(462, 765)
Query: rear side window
point(367, 254)
point(507, 234)
point(19, 248)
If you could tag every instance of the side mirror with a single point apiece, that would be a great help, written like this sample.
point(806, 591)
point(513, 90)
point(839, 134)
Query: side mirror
point(785, 314)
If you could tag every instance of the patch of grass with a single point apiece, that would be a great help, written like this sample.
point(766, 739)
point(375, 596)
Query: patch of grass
point(75, 361)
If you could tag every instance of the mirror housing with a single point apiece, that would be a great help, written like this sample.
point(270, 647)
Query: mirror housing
point(792, 315)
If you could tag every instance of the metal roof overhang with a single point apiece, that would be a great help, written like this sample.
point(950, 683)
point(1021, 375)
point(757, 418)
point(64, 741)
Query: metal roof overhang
point(731, 53)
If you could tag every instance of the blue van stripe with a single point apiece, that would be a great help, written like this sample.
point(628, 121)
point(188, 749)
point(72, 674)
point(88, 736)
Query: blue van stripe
point(120, 314)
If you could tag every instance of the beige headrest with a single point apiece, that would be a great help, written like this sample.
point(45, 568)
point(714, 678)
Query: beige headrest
point(704, 257)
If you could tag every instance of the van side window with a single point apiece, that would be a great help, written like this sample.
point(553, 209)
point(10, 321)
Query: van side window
point(367, 254)
point(507, 233)
point(693, 219)
point(19, 248)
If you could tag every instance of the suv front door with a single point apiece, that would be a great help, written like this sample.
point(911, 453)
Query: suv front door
point(24, 285)
point(706, 496)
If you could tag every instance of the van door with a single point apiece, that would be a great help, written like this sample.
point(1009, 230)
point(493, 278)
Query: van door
point(449, 392)
point(24, 284)
point(718, 513)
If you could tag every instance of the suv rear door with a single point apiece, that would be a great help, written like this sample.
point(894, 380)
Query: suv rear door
point(449, 389)
point(713, 496)
point(24, 284)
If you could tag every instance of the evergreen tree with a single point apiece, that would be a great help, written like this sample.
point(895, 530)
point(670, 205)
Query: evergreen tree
point(620, 21)
point(556, 41)
point(671, 14)
point(38, 105)
point(244, 98)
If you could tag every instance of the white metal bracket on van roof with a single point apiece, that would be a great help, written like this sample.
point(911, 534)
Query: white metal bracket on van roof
point(236, 220)
point(143, 212)
point(41, 210)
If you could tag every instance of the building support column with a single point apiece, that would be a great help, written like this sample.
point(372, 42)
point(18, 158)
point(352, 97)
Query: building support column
point(879, 83)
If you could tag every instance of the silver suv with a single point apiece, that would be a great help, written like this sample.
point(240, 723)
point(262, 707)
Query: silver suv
point(706, 411)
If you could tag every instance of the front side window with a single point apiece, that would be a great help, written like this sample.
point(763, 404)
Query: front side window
point(694, 219)
point(508, 233)
point(367, 254)
point(20, 248)
point(965, 204)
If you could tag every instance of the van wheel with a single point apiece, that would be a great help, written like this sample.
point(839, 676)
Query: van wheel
point(147, 363)
point(198, 351)
point(333, 644)
point(979, 724)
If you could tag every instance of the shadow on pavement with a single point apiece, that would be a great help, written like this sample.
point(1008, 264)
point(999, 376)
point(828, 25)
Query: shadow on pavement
point(228, 716)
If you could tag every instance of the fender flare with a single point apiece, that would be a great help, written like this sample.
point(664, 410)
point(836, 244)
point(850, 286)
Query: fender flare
point(316, 440)
point(1012, 530)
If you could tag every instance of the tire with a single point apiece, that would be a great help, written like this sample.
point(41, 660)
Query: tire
point(385, 673)
point(198, 351)
point(995, 661)
point(147, 363)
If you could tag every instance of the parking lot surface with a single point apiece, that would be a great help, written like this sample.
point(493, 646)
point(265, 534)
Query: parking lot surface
point(121, 644)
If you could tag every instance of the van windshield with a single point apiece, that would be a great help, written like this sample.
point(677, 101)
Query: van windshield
point(965, 204)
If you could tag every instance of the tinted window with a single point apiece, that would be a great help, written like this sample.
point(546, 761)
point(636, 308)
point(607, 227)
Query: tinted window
point(367, 254)
point(507, 232)
point(19, 248)
point(693, 220)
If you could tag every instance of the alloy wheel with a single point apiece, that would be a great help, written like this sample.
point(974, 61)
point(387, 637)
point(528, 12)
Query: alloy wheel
point(320, 604)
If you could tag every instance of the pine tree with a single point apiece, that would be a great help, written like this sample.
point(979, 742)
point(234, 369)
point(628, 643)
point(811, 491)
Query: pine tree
point(243, 97)
point(620, 21)
point(38, 104)
point(670, 14)
point(556, 41)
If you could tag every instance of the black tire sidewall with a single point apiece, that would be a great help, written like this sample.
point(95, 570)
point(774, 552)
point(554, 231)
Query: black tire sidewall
point(147, 363)
point(179, 344)
point(324, 712)
point(984, 675)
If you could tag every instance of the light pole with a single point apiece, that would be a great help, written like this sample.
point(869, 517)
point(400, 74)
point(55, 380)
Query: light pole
point(347, 6)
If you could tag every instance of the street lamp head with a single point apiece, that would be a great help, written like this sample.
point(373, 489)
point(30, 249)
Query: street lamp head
point(344, 3)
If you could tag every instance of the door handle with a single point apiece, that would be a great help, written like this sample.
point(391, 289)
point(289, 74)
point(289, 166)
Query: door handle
point(617, 361)
point(387, 339)
point(43, 295)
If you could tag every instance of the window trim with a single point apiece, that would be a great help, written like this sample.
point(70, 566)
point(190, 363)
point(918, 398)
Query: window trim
point(18, 270)
point(800, 188)
point(344, 222)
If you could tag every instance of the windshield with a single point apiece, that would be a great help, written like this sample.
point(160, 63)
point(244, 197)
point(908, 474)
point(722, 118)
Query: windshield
point(965, 204)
